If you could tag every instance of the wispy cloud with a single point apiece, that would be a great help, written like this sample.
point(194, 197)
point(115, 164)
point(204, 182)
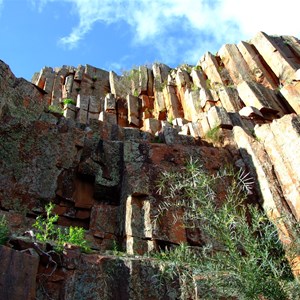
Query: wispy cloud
point(176, 27)
point(39, 4)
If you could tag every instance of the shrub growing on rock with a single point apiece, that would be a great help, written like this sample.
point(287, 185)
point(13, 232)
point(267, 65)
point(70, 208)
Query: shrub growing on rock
point(241, 255)
point(47, 231)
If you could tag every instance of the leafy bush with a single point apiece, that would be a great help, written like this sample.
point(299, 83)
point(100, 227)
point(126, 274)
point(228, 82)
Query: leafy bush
point(72, 235)
point(4, 231)
point(69, 101)
point(241, 255)
point(47, 231)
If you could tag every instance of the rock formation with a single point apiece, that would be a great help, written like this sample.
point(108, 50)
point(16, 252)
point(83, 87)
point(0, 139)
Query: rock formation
point(100, 158)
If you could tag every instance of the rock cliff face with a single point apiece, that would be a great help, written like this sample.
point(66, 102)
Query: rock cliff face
point(100, 158)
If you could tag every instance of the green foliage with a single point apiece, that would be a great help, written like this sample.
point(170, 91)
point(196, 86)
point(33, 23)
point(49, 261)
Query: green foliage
point(69, 101)
point(186, 67)
point(71, 235)
point(252, 131)
point(4, 231)
point(55, 109)
point(241, 254)
point(128, 83)
point(194, 87)
point(47, 231)
point(136, 93)
point(159, 86)
point(208, 84)
point(214, 134)
point(198, 68)
point(157, 139)
point(170, 119)
point(117, 250)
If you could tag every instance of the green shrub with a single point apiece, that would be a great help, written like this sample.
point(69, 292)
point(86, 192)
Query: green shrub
point(197, 68)
point(213, 134)
point(241, 255)
point(186, 67)
point(47, 231)
point(4, 231)
point(136, 93)
point(208, 84)
point(69, 101)
point(55, 109)
point(72, 235)
point(194, 87)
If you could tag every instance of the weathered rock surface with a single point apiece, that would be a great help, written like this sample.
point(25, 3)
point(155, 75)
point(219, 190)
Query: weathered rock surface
point(18, 274)
point(98, 149)
point(107, 277)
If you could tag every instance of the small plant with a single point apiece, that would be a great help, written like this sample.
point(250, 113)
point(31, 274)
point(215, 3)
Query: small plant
point(252, 131)
point(208, 84)
point(194, 87)
point(197, 68)
point(220, 68)
point(4, 231)
point(94, 79)
point(47, 231)
point(117, 249)
point(170, 119)
point(71, 235)
point(231, 86)
point(55, 109)
point(128, 81)
point(159, 86)
point(136, 93)
point(69, 101)
point(186, 67)
point(78, 89)
point(157, 139)
point(214, 134)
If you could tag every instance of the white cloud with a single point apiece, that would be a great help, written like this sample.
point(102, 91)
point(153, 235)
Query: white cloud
point(39, 4)
point(271, 16)
point(170, 25)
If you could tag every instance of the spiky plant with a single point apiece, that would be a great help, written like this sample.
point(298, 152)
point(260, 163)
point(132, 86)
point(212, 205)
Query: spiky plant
point(241, 256)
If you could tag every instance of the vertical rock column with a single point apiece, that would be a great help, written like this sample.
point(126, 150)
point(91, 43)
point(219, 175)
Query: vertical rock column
point(268, 186)
point(277, 55)
point(281, 138)
point(136, 199)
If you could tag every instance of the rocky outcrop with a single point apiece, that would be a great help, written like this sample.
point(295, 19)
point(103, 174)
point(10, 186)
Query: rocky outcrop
point(94, 143)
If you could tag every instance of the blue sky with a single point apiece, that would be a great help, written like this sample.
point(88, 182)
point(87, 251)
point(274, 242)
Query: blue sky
point(118, 34)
